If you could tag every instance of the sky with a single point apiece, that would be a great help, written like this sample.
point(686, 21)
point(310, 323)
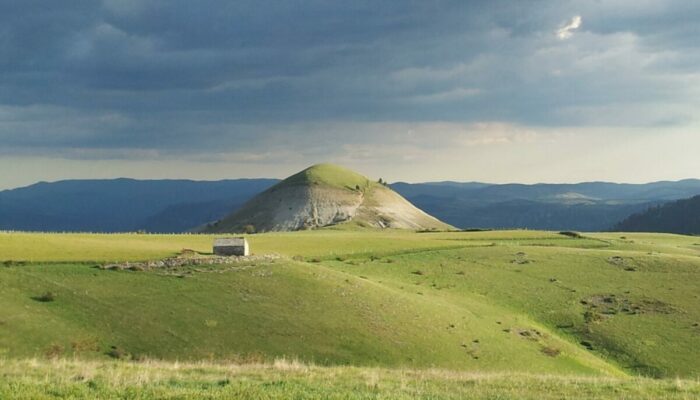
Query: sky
point(408, 90)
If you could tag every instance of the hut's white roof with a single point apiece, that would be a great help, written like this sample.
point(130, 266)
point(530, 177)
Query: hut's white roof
point(224, 242)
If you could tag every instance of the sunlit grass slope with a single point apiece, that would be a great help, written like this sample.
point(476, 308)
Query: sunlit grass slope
point(305, 310)
point(518, 301)
point(331, 175)
point(326, 243)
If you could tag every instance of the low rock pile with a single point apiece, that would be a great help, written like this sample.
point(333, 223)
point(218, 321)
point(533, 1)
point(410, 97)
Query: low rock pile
point(179, 261)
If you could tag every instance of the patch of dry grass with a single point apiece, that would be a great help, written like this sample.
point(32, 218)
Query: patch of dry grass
point(53, 379)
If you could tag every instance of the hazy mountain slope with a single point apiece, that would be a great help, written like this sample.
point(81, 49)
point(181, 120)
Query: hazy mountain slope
point(180, 205)
point(182, 217)
point(116, 205)
point(588, 206)
point(604, 191)
point(324, 195)
point(682, 216)
point(528, 214)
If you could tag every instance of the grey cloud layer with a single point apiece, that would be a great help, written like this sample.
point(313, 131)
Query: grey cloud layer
point(183, 75)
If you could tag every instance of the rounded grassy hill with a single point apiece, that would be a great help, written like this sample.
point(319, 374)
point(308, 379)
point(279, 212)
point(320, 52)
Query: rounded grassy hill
point(326, 195)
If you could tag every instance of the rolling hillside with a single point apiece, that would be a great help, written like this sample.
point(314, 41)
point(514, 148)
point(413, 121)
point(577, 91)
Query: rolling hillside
point(519, 301)
point(325, 195)
point(682, 217)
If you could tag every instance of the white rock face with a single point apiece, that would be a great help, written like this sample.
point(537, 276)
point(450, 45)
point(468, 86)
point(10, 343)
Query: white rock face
point(298, 207)
point(396, 212)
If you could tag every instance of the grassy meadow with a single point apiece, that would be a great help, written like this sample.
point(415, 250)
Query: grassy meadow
point(40, 380)
point(498, 313)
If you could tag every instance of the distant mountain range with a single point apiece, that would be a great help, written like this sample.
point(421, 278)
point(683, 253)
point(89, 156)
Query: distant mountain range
point(592, 206)
point(123, 205)
point(682, 216)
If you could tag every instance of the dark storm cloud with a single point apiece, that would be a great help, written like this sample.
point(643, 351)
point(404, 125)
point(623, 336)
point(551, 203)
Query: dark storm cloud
point(205, 75)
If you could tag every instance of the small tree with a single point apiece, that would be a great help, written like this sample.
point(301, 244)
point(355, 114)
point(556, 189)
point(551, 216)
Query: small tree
point(249, 229)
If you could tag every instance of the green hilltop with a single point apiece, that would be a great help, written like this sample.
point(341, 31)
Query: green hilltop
point(330, 175)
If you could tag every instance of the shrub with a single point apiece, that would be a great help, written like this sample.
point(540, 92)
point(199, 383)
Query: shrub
point(249, 229)
point(55, 350)
point(117, 353)
point(11, 263)
point(591, 317)
point(571, 234)
point(47, 297)
point(85, 345)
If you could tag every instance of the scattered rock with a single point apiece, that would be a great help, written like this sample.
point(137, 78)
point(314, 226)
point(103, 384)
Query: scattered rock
point(176, 262)
point(599, 307)
point(621, 262)
point(117, 353)
point(530, 334)
point(472, 349)
point(616, 260)
point(188, 253)
point(521, 259)
point(551, 351)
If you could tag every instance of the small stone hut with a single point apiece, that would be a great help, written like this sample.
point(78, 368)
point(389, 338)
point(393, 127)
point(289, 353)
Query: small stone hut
point(231, 247)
